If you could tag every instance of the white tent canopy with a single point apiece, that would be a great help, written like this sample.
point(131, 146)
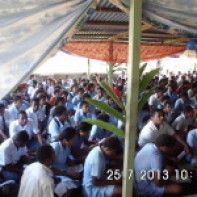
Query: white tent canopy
point(63, 63)
point(30, 31)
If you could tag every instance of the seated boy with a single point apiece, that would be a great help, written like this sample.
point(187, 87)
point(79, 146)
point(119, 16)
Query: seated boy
point(96, 182)
point(192, 142)
point(23, 123)
point(12, 152)
point(82, 145)
point(183, 122)
point(150, 160)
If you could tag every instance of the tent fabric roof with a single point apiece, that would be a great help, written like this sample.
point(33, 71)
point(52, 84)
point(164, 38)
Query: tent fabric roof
point(108, 21)
point(117, 52)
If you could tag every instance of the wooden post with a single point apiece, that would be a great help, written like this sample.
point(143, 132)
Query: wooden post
point(132, 95)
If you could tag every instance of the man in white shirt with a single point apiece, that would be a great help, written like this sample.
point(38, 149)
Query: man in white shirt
point(58, 123)
point(156, 127)
point(154, 100)
point(11, 152)
point(34, 113)
point(24, 124)
point(32, 89)
point(37, 178)
point(16, 107)
point(184, 122)
point(4, 122)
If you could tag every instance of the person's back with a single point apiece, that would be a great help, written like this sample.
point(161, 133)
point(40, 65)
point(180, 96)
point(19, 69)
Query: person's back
point(36, 181)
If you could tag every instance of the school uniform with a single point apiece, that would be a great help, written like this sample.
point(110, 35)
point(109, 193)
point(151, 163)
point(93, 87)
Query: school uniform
point(154, 100)
point(61, 155)
point(147, 187)
point(31, 130)
point(150, 132)
point(14, 111)
point(75, 101)
point(181, 123)
point(56, 127)
point(80, 115)
point(191, 141)
point(10, 154)
point(180, 104)
point(98, 133)
point(31, 92)
point(95, 166)
point(33, 116)
point(36, 181)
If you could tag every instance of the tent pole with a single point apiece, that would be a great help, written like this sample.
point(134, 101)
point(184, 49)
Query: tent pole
point(88, 68)
point(110, 73)
point(135, 16)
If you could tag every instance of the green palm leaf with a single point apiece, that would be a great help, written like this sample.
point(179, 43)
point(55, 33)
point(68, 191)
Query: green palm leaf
point(111, 93)
point(106, 108)
point(147, 79)
point(105, 125)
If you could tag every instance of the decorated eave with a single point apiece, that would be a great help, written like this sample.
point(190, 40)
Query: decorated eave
point(109, 22)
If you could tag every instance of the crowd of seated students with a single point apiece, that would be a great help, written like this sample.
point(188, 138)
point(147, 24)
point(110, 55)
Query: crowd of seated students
point(46, 149)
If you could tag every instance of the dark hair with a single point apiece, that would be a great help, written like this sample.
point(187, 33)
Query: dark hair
point(188, 109)
point(56, 91)
point(17, 98)
point(113, 143)
point(184, 94)
point(58, 100)
point(36, 100)
point(22, 112)
point(83, 126)
point(2, 105)
point(154, 111)
point(90, 85)
point(159, 89)
point(42, 97)
point(64, 92)
point(165, 140)
point(83, 103)
point(86, 95)
point(22, 136)
point(103, 116)
point(34, 82)
point(59, 110)
point(80, 90)
point(44, 152)
point(68, 134)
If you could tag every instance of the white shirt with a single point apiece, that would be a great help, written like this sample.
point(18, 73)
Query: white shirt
point(30, 127)
point(36, 182)
point(154, 100)
point(9, 153)
point(31, 91)
point(150, 132)
point(182, 124)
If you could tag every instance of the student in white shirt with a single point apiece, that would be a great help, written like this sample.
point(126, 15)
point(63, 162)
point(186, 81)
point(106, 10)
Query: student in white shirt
point(15, 108)
point(184, 121)
point(35, 138)
point(3, 126)
point(95, 179)
point(37, 178)
point(32, 89)
point(154, 100)
point(156, 127)
point(34, 113)
point(58, 123)
point(12, 151)
point(150, 160)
